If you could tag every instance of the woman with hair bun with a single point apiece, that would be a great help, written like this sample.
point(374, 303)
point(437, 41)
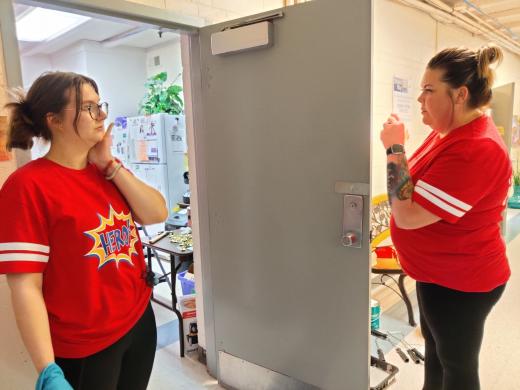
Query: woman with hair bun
point(69, 244)
point(447, 201)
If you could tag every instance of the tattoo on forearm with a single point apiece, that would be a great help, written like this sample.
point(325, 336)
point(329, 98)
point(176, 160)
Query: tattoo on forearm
point(399, 182)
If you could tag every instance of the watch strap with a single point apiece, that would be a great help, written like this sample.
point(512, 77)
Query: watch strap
point(395, 149)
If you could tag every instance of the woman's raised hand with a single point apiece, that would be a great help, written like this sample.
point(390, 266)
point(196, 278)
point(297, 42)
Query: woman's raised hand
point(101, 154)
point(393, 132)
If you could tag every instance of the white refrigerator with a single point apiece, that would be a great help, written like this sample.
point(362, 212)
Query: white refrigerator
point(153, 147)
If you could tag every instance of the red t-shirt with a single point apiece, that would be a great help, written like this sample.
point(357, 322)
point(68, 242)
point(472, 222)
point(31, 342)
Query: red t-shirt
point(464, 179)
point(75, 227)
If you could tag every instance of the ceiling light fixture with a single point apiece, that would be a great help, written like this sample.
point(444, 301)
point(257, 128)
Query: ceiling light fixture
point(41, 24)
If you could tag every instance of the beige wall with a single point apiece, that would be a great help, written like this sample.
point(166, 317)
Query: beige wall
point(2, 77)
point(6, 167)
point(214, 11)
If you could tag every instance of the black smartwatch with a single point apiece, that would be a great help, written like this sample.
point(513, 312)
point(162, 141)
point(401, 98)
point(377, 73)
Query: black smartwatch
point(395, 149)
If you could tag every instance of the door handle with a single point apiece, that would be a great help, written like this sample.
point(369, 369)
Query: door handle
point(352, 235)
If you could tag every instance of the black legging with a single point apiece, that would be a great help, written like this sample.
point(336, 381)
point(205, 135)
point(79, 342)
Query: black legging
point(125, 365)
point(452, 323)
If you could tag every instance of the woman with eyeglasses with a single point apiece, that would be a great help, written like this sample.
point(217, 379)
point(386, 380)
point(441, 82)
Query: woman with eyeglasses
point(69, 243)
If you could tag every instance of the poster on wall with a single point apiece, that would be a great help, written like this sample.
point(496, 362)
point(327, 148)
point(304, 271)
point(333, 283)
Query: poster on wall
point(402, 100)
point(5, 155)
point(515, 133)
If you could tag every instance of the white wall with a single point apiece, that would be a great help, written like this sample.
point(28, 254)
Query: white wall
point(71, 59)
point(120, 74)
point(122, 90)
point(32, 67)
point(404, 41)
point(170, 61)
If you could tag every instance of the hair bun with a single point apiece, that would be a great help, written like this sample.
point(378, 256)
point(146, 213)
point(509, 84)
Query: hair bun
point(21, 126)
point(26, 112)
point(486, 56)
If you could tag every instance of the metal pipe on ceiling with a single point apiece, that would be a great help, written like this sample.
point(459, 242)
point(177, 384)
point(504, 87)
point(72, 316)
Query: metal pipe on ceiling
point(464, 13)
point(476, 25)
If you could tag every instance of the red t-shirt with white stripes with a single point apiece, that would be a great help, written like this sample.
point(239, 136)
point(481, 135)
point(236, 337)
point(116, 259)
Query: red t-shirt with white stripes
point(75, 227)
point(464, 179)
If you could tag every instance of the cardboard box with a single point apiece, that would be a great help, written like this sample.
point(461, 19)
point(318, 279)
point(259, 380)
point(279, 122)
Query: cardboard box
point(188, 309)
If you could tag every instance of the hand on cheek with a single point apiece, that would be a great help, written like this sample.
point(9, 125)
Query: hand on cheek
point(101, 154)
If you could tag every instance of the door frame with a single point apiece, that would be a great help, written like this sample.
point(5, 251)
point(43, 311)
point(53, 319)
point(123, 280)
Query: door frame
point(121, 9)
point(115, 9)
point(192, 86)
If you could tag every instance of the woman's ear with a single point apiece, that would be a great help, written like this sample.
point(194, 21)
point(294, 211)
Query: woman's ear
point(53, 122)
point(460, 95)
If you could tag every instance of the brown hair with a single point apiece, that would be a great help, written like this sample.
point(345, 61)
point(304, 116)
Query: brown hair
point(48, 94)
point(464, 67)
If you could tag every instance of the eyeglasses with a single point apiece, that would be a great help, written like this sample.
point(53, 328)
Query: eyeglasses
point(95, 110)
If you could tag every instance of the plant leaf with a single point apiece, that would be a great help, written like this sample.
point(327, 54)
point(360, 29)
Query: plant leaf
point(161, 98)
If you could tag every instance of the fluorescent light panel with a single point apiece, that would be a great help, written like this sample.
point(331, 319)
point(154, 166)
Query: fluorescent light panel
point(42, 24)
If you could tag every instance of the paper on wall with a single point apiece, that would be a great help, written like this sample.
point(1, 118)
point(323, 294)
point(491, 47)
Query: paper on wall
point(402, 100)
point(515, 133)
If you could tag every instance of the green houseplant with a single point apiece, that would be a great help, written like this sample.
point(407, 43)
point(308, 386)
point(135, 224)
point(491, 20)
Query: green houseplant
point(160, 97)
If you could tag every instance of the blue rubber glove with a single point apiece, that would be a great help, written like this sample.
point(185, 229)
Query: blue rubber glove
point(52, 378)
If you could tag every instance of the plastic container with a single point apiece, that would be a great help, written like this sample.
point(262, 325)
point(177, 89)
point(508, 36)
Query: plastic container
point(514, 200)
point(187, 285)
point(375, 311)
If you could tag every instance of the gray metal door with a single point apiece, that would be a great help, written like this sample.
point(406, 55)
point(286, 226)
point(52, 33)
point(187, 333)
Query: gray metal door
point(285, 133)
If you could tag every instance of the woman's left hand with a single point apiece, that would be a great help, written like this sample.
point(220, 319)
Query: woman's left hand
point(101, 154)
point(393, 132)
